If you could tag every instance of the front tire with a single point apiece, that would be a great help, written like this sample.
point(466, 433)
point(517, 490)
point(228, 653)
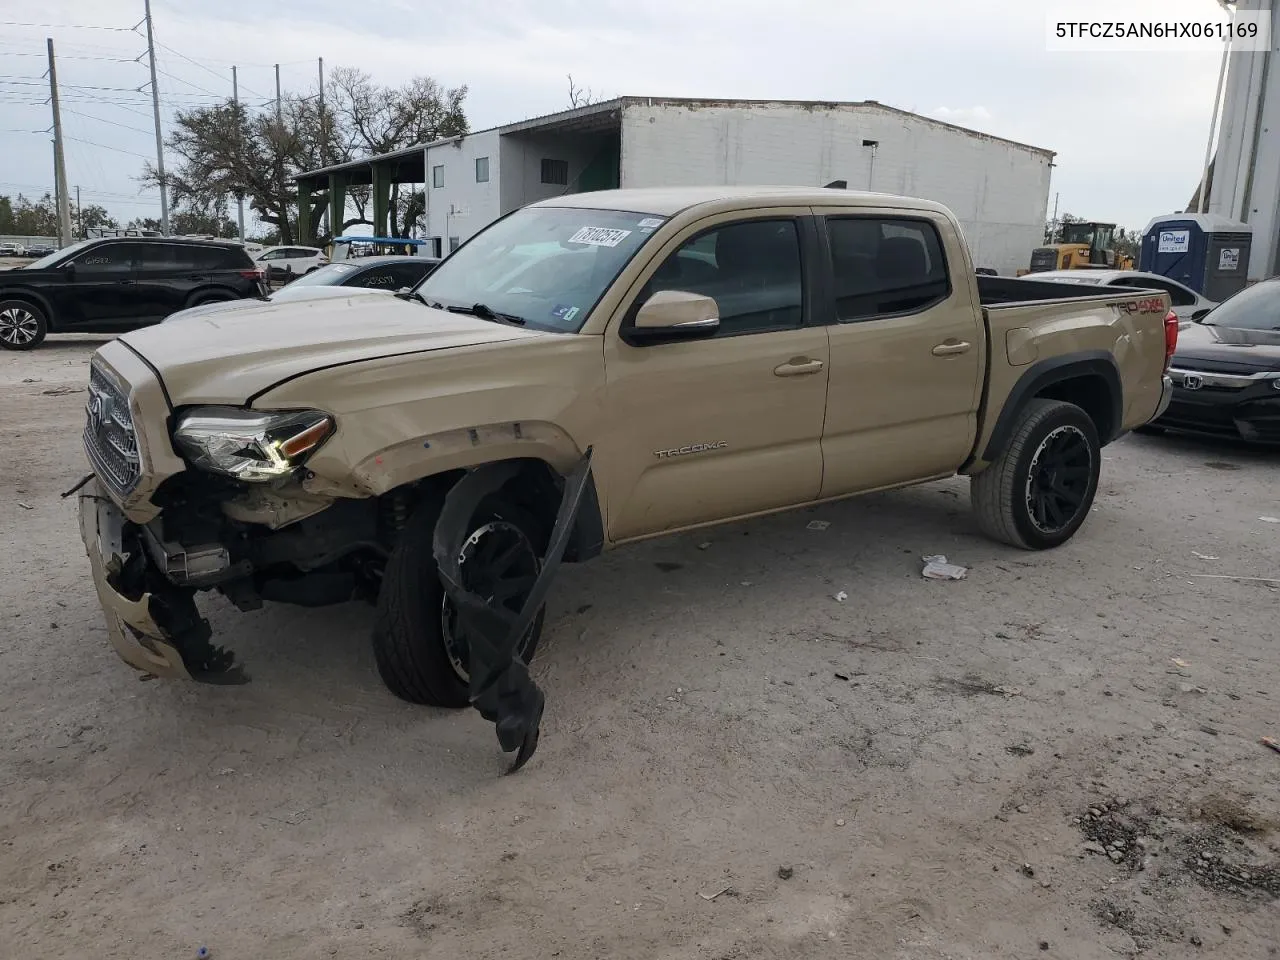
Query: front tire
point(23, 325)
point(1040, 490)
point(419, 656)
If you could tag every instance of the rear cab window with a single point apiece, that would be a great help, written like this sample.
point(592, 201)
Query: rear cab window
point(884, 266)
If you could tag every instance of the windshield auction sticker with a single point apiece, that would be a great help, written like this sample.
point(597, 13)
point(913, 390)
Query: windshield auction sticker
point(600, 236)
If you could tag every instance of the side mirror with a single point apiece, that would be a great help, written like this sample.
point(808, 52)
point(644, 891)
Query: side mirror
point(675, 315)
point(69, 269)
point(1199, 315)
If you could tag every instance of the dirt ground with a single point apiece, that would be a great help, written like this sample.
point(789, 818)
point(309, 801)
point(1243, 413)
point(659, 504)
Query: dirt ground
point(733, 764)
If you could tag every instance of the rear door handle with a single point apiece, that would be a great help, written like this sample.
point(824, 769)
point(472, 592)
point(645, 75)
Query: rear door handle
point(952, 348)
point(126, 283)
point(797, 367)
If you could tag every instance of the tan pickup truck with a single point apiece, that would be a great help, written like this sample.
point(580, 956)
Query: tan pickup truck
point(723, 352)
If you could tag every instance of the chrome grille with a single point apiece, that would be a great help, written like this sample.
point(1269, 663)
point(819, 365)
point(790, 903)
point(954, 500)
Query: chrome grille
point(109, 438)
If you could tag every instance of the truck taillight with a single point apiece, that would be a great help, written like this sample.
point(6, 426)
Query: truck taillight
point(1170, 337)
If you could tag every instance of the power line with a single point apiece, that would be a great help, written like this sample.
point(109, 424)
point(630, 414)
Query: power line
point(165, 73)
point(103, 146)
point(64, 26)
point(10, 53)
point(114, 123)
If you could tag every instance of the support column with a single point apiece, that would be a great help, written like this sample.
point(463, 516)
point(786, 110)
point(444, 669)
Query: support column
point(304, 211)
point(337, 203)
point(381, 199)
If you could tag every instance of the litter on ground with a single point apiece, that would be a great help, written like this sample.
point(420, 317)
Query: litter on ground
point(937, 568)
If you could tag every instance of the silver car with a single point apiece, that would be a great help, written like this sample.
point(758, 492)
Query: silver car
point(1186, 303)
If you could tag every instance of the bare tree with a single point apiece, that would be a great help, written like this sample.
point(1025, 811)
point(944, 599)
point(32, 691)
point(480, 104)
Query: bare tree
point(374, 119)
point(226, 151)
point(580, 96)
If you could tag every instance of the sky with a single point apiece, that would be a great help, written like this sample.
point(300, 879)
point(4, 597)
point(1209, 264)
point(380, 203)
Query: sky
point(1129, 128)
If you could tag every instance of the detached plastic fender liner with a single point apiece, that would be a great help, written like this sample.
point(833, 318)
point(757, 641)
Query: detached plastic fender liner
point(500, 686)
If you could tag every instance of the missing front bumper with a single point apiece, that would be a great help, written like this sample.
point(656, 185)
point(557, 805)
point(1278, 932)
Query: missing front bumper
point(153, 625)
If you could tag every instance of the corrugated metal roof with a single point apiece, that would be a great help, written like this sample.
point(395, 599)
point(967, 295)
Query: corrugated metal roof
point(582, 117)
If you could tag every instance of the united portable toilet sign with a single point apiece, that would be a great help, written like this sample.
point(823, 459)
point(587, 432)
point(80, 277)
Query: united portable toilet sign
point(1174, 241)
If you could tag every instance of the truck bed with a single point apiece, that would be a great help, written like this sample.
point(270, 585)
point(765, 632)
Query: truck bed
point(1005, 291)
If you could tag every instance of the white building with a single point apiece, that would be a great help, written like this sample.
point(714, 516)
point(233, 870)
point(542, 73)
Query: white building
point(1246, 170)
point(999, 189)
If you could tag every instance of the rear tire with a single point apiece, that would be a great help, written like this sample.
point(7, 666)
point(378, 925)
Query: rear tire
point(23, 325)
point(200, 301)
point(1040, 490)
point(418, 658)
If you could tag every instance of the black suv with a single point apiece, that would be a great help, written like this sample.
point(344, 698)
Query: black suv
point(114, 284)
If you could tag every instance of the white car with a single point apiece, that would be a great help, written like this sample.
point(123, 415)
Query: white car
point(8, 249)
point(1186, 303)
point(284, 263)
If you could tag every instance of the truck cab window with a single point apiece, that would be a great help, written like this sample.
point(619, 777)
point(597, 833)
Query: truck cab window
point(752, 270)
point(883, 267)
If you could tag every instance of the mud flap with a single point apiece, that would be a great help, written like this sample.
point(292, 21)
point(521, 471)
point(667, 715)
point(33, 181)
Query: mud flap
point(501, 688)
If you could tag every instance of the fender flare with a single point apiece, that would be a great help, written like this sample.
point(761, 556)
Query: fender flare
point(1045, 373)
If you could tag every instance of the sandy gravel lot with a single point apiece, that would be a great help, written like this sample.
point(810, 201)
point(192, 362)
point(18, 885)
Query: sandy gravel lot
point(734, 765)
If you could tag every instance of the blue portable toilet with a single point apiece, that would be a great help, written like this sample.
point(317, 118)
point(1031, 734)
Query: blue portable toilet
point(1208, 253)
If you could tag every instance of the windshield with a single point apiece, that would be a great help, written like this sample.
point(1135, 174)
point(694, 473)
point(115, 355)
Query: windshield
point(1078, 233)
point(1253, 308)
point(546, 266)
point(329, 276)
point(49, 259)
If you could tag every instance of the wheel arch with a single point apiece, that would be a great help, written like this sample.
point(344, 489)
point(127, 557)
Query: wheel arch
point(39, 299)
point(197, 296)
point(1088, 378)
point(536, 486)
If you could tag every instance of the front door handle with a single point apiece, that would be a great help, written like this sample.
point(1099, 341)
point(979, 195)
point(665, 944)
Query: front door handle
point(952, 348)
point(125, 283)
point(797, 367)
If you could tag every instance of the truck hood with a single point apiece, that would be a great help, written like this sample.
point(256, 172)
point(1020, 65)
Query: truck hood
point(231, 357)
point(286, 295)
point(1247, 349)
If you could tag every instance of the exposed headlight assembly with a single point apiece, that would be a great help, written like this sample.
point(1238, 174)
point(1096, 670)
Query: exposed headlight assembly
point(252, 445)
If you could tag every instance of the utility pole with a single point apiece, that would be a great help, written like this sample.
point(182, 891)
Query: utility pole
point(79, 216)
point(324, 149)
point(235, 95)
point(155, 110)
point(279, 119)
point(59, 156)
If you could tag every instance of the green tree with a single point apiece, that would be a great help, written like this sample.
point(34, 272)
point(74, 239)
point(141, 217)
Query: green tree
point(91, 216)
point(225, 151)
point(25, 218)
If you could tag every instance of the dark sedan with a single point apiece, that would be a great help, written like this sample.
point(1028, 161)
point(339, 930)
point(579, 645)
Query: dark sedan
point(367, 274)
point(1226, 370)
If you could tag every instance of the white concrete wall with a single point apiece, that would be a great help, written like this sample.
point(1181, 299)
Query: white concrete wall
point(1246, 171)
point(998, 190)
point(475, 205)
point(522, 156)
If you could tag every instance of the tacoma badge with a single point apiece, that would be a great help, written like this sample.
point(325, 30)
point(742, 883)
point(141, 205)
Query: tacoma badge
point(691, 448)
